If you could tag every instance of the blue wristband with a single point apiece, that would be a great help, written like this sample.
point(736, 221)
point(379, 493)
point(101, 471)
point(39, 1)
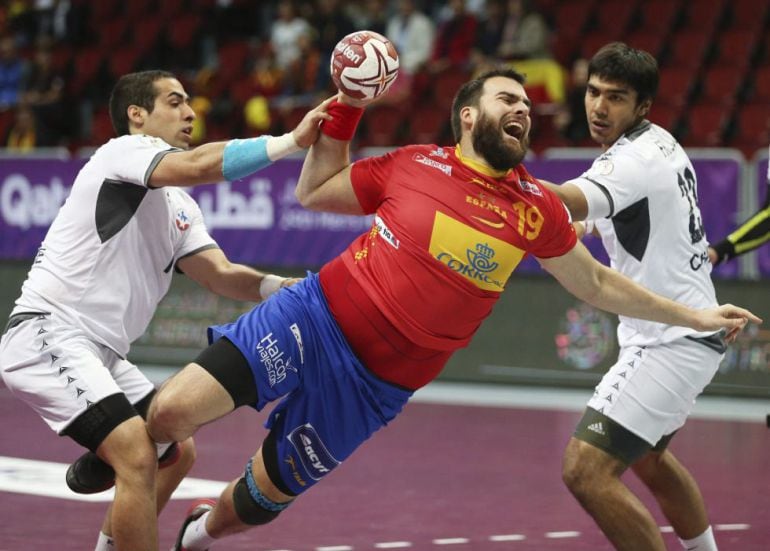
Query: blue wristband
point(244, 157)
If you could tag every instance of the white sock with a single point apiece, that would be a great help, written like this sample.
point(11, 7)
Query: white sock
point(104, 543)
point(195, 537)
point(704, 542)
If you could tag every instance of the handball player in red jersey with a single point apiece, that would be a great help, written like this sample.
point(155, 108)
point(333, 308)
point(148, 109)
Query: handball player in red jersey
point(346, 348)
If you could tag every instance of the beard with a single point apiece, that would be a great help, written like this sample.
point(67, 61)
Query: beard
point(487, 142)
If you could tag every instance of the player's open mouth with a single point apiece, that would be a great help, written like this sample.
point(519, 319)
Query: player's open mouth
point(514, 129)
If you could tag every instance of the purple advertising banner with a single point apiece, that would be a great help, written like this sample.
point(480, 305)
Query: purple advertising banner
point(258, 221)
point(31, 192)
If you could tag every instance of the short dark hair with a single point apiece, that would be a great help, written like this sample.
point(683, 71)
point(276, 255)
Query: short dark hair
point(619, 62)
point(133, 89)
point(470, 92)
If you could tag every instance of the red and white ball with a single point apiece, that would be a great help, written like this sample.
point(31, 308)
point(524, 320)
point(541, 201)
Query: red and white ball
point(364, 64)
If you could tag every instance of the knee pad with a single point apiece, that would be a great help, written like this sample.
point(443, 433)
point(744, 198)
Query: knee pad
point(251, 506)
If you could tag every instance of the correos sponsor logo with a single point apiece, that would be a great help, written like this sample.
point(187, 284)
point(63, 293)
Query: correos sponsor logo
point(24, 204)
point(478, 266)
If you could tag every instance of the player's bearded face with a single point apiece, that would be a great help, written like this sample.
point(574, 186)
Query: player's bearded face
point(500, 150)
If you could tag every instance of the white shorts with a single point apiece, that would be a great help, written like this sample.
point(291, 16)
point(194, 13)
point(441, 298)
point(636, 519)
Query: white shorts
point(650, 391)
point(60, 372)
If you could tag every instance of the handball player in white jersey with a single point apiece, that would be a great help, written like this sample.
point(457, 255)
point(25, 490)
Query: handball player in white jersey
point(104, 265)
point(641, 196)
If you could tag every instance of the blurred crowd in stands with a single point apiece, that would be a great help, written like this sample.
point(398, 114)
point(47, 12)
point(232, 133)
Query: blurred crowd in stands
point(253, 67)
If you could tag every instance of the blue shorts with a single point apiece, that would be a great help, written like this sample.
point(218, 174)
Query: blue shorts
point(331, 402)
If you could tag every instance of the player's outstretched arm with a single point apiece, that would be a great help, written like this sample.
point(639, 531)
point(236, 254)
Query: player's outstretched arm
point(235, 159)
point(572, 197)
point(600, 286)
point(324, 183)
point(212, 269)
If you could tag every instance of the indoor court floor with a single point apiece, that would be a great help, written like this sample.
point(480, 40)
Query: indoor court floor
point(464, 468)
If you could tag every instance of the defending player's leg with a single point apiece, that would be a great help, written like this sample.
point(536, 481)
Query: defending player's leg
point(679, 498)
point(593, 477)
point(113, 429)
point(88, 474)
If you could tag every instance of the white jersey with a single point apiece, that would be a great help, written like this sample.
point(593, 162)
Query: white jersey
point(651, 225)
point(108, 257)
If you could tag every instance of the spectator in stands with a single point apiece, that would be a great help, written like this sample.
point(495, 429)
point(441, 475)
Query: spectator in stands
point(12, 72)
point(286, 33)
point(22, 135)
point(412, 33)
point(750, 235)
point(331, 23)
point(308, 75)
point(371, 15)
point(489, 34)
point(571, 120)
point(42, 91)
point(525, 45)
point(455, 39)
point(525, 33)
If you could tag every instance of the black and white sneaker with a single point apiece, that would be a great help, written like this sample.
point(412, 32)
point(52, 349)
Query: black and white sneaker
point(197, 509)
point(90, 475)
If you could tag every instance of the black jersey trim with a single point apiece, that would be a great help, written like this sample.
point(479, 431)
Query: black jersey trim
point(154, 164)
point(115, 206)
point(638, 130)
point(632, 226)
point(191, 253)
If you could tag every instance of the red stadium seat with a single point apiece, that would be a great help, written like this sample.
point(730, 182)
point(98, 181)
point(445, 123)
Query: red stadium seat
point(183, 31)
point(101, 127)
point(593, 41)
point(659, 16)
point(87, 64)
point(427, 125)
point(759, 86)
point(572, 18)
point(689, 49)
point(112, 34)
point(651, 42)
point(123, 61)
point(748, 15)
point(147, 40)
point(721, 85)
point(234, 59)
point(736, 48)
point(753, 125)
point(665, 115)
point(704, 15)
point(445, 84)
point(613, 17)
point(675, 86)
point(382, 124)
point(706, 125)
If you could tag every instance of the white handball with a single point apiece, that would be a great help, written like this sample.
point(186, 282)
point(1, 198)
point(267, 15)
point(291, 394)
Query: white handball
point(364, 64)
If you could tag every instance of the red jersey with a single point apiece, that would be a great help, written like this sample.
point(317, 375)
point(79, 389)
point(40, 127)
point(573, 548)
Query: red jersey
point(447, 234)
